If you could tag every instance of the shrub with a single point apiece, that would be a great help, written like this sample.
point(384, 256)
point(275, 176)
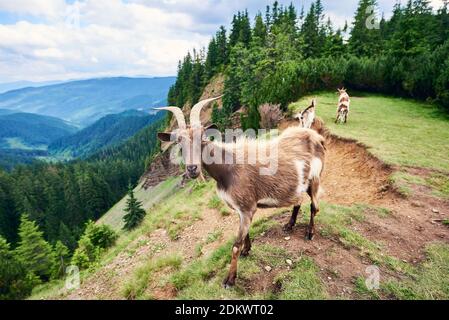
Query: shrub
point(270, 115)
point(95, 239)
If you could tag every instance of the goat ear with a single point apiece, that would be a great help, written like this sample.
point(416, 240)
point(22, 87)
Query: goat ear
point(313, 105)
point(164, 136)
point(211, 127)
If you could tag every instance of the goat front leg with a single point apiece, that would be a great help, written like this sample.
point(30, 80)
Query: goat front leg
point(289, 226)
point(246, 246)
point(245, 221)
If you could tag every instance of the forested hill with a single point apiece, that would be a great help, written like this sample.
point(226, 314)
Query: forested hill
point(86, 101)
point(108, 131)
point(30, 130)
point(60, 198)
point(281, 55)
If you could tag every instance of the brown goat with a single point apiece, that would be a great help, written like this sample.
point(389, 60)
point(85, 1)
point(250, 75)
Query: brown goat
point(299, 155)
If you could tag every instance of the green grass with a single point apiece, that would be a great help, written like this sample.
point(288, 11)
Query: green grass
point(202, 279)
point(135, 287)
point(431, 280)
point(399, 131)
point(437, 182)
point(302, 283)
point(440, 184)
point(149, 198)
point(363, 292)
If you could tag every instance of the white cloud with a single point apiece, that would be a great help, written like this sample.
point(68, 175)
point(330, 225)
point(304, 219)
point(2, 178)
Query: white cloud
point(112, 38)
point(120, 37)
point(46, 8)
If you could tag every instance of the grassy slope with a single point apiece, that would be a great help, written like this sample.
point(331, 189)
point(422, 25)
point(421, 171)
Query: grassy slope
point(201, 277)
point(399, 131)
point(114, 217)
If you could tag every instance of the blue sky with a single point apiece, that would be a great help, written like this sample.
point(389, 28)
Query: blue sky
point(43, 40)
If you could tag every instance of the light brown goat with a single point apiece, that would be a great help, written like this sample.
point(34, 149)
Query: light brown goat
point(299, 155)
point(344, 103)
point(307, 119)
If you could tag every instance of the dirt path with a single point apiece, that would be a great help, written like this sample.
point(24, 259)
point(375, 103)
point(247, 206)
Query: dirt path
point(352, 175)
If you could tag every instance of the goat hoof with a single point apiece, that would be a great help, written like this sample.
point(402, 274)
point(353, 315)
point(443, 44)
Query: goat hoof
point(228, 283)
point(288, 228)
point(245, 253)
point(309, 236)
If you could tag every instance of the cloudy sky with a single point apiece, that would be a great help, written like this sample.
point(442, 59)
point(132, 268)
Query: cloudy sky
point(43, 40)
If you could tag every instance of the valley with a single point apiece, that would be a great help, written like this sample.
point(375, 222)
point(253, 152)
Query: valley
point(36, 124)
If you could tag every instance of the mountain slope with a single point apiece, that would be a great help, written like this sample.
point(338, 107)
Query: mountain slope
point(86, 101)
point(5, 87)
point(106, 132)
point(182, 249)
point(29, 131)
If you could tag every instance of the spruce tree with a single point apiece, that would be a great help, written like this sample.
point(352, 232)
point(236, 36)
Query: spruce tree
point(259, 32)
point(134, 211)
point(14, 282)
point(33, 251)
point(310, 33)
point(364, 41)
point(222, 48)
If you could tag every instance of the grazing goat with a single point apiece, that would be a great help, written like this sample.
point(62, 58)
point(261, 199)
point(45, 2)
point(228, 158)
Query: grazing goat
point(343, 106)
point(299, 155)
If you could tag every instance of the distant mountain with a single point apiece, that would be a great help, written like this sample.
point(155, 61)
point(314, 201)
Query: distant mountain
point(6, 111)
point(31, 131)
point(5, 87)
point(86, 101)
point(106, 132)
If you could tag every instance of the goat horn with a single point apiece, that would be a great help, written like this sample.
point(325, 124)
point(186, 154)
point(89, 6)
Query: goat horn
point(195, 120)
point(177, 112)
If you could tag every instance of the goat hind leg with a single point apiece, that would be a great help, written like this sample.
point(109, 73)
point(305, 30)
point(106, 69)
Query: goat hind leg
point(314, 207)
point(289, 226)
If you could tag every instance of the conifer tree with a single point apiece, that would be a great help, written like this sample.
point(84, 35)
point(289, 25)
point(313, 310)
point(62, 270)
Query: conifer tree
point(14, 282)
point(33, 251)
point(259, 32)
point(134, 211)
point(365, 37)
point(222, 48)
point(310, 33)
